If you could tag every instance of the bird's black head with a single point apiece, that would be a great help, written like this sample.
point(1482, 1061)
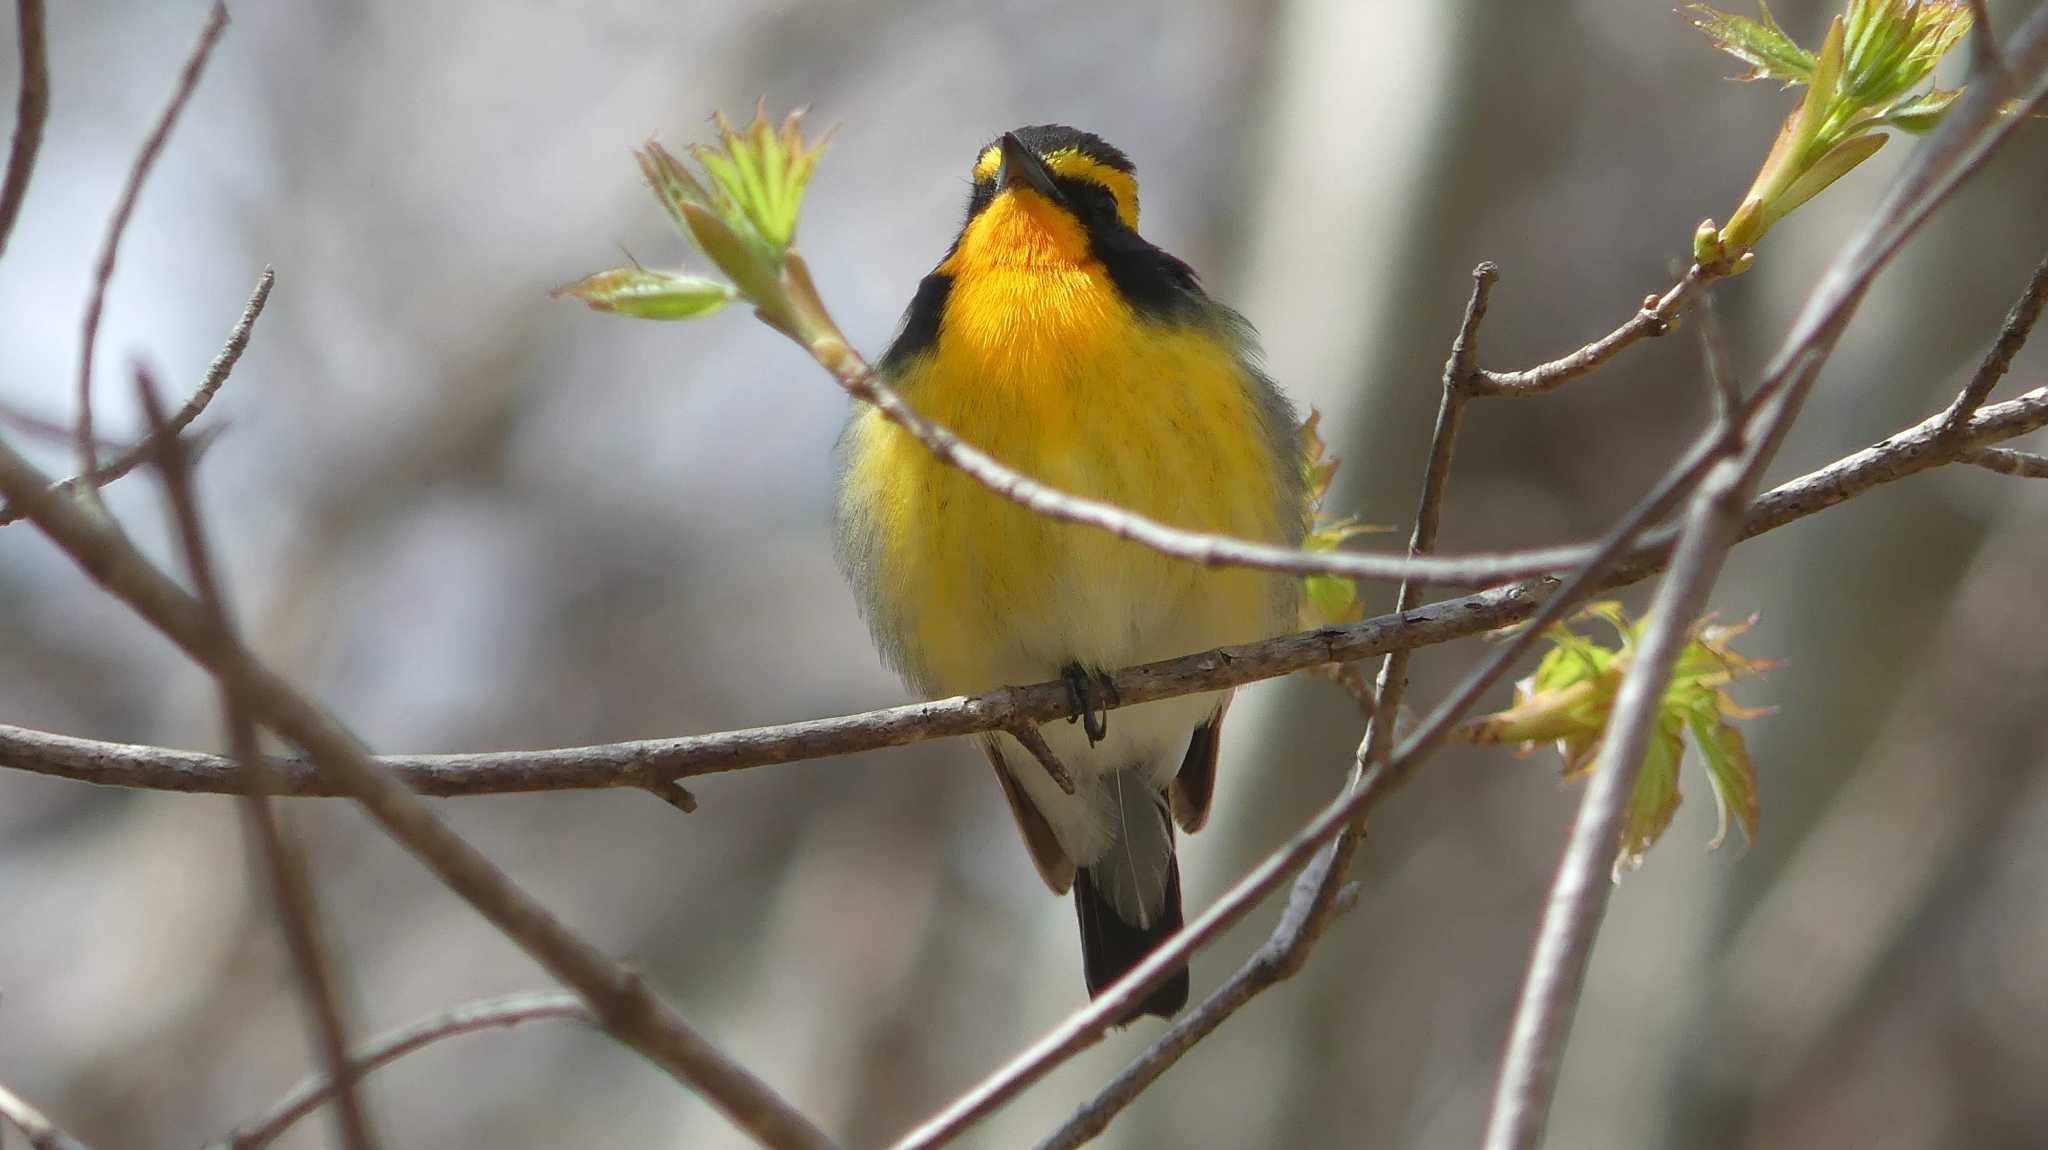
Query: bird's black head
point(1076, 170)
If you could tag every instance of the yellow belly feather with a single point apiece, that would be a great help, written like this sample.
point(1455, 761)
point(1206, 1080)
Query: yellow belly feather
point(1049, 371)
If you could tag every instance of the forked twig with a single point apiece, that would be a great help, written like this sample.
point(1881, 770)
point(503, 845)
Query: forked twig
point(216, 374)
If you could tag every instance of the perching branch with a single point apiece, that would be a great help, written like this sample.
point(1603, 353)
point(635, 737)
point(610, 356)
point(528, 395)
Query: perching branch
point(216, 374)
point(653, 764)
point(283, 862)
point(615, 994)
point(31, 110)
point(386, 1048)
point(103, 270)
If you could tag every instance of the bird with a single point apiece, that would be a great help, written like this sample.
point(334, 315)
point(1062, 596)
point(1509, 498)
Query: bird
point(1056, 339)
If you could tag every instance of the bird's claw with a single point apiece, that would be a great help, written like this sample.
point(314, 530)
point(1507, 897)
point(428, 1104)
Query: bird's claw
point(1090, 696)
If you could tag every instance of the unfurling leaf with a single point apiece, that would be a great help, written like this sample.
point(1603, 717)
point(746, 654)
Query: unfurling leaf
point(1861, 81)
point(741, 212)
point(646, 294)
point(1568, 700)
point(1770, 54)
point(1922, 113)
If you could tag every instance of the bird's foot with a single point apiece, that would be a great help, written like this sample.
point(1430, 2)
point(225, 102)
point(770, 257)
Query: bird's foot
point(1091, 694)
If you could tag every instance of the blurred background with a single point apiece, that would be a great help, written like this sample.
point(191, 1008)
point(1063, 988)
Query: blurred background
point(466, 517)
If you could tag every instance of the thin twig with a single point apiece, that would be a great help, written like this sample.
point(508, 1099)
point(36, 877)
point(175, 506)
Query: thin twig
point(298, 912)
point(386, 1048)
point(615, 993)
point(60, 431)
point(216, 374)
point(1652, 319)
point(651, 764)
point(1351, 677)
point(2012, 335)
point(1027, 734)
point(2006, 461)
point(31, 111)
point(1312, 905)
point(41, 1132)
point(124, 208)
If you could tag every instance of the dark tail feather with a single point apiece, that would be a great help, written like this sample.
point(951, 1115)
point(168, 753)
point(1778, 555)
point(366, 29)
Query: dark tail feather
point(1110, 946)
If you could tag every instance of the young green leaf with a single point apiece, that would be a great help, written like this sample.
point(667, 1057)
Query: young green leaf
point(1770, 54)
point(1568, 700)
point(1863, 80)
point(645, 294)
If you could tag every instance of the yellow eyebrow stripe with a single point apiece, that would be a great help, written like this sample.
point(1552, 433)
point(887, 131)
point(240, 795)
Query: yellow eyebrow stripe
point(1074, 163)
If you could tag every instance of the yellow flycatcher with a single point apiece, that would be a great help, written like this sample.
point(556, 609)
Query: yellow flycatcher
point(1055, 338)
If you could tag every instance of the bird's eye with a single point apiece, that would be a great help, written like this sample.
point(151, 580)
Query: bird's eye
point(1092, 202)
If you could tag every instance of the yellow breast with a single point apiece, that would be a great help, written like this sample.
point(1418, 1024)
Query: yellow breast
point(1040, 363)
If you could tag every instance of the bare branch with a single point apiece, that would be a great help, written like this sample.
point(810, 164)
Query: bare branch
point(1653, 319)
point(386, 1048)
point(103, 271)
point(216, 375)
point(653, 764)
point(1313, 903)
point(2006, 461)
point(31, 110)
point(285, 864)
point(2019, 324)
point(616, 995)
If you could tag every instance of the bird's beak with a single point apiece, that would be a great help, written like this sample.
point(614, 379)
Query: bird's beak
point(1020, 167)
